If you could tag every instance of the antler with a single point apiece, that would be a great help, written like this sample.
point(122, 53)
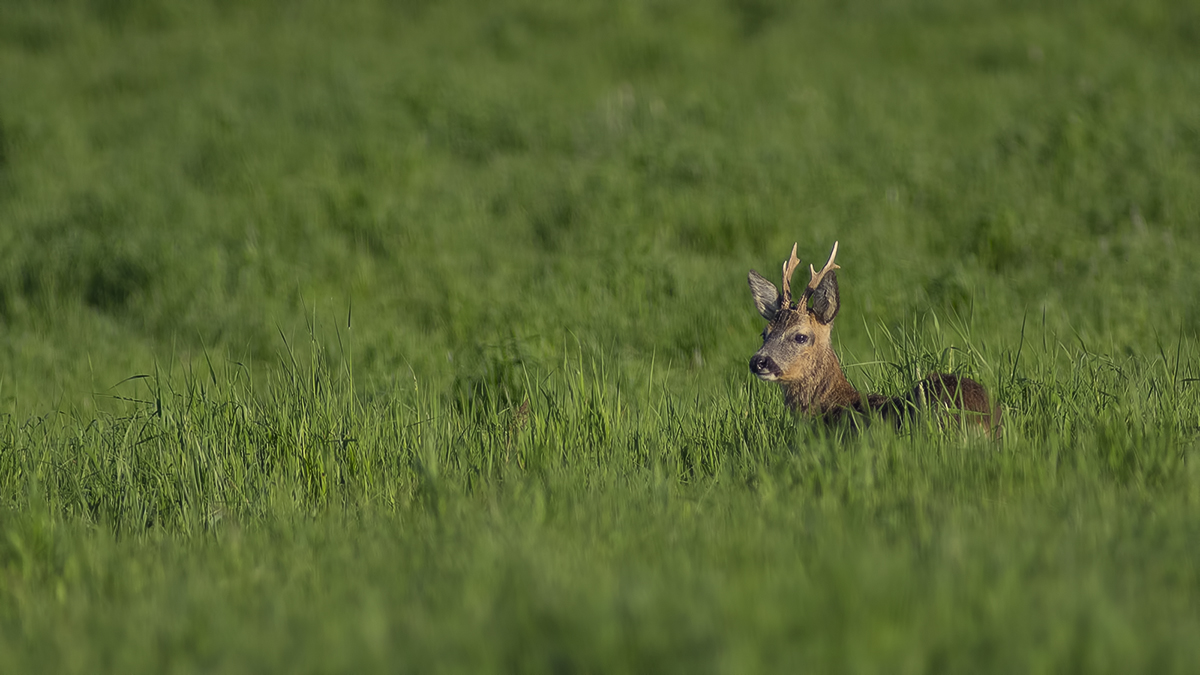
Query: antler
point(789, 268)
point(817, 276)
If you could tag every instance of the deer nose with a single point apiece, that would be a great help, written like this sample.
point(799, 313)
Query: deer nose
point(763, 366)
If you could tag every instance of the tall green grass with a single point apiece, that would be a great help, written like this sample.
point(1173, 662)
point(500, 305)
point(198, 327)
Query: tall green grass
point(404, 336)
point(292, 524)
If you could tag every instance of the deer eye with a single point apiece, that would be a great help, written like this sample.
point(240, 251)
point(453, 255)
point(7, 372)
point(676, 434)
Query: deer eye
point(800, 338)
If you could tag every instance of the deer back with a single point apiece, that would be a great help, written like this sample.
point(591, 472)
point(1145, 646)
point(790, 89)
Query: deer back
point(963, 399)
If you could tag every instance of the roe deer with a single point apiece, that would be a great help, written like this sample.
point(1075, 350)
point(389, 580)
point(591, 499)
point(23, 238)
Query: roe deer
point(798, 354)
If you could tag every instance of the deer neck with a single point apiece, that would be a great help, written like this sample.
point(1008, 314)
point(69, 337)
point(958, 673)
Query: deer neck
point(821, 389)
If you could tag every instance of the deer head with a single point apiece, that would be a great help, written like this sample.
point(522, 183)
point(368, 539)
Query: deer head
point(797, 350)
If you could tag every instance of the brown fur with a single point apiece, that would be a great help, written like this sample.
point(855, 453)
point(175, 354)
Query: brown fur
point(797, 353)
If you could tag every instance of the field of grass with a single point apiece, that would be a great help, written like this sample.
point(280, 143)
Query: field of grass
point(402, 336)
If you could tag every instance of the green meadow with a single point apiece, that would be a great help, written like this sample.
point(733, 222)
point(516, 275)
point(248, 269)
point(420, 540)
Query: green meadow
point(403, 336)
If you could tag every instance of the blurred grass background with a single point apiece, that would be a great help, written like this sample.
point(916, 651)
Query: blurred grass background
point(328, 249)
point(203, 176)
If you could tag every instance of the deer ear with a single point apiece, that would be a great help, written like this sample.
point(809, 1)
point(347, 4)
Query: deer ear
point(766, 296)
point(825, 302)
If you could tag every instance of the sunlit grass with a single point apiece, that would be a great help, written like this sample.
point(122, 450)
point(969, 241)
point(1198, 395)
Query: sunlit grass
point(413, 336)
